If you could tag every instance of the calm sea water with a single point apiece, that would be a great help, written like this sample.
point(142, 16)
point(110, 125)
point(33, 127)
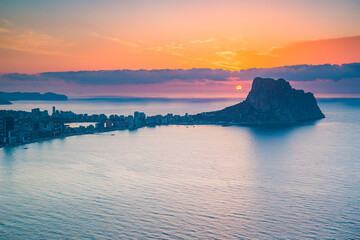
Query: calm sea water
point(121, 107)
point(178, 182)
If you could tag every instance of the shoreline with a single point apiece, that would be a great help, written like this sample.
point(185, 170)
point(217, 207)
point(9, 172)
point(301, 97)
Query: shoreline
point(273, 124)
point(58, 137)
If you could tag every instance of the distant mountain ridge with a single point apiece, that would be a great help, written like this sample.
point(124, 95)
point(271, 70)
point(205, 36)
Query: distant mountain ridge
point(269, 101)
point(6, 97)
point(4, 102)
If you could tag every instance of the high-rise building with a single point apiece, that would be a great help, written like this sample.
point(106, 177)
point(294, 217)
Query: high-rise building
point(131, 123)
point(35, 112)
point(36, 126)
point(139, 119)
point(9, 125)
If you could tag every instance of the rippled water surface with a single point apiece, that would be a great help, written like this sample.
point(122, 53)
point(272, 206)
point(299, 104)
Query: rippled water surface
point(178, 182)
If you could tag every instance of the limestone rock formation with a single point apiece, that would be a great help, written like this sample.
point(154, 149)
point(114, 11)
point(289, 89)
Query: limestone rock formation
point(269, 101)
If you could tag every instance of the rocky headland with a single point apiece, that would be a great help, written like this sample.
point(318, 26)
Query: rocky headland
point(269, 101)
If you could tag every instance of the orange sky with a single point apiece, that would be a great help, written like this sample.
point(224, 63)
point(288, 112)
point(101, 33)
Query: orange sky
point(40, 36)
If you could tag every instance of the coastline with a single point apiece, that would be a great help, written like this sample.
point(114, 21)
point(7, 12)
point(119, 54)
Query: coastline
point(270, 102)
point(96, 131)
point(57, 137)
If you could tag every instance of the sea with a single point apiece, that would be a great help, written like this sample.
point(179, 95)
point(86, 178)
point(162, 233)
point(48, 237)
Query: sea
point(186, 182)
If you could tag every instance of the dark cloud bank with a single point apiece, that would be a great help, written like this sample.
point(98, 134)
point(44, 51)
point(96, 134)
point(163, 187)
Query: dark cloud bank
point(123, 77)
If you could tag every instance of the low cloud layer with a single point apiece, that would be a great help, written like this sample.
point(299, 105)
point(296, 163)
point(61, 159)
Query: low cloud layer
point(306, 72)
point(139, 77)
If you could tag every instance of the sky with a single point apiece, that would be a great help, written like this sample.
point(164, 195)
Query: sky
point(87, 35)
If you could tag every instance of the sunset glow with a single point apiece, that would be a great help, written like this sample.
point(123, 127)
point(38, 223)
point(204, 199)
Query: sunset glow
point(83, 35)
point(50, 36)
point(179, 119)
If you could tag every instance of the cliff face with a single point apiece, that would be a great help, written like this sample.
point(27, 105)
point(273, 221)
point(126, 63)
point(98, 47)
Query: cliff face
point(269, 101)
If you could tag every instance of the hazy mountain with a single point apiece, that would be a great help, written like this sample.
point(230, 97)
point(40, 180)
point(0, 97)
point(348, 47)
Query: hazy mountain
point(5, 97)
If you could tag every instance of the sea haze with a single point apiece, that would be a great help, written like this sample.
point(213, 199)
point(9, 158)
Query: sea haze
point(126, 105)
point(186, 182)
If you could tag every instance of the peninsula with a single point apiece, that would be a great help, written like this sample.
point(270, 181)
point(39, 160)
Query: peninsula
point(6, 97)
point(269, 102)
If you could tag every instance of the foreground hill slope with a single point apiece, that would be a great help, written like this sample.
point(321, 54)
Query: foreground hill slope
point(269, 101)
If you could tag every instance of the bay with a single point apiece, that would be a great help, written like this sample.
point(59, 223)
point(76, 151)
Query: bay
point(188, 182)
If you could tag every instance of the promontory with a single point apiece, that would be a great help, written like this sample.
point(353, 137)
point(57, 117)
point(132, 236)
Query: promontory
point(269, 101)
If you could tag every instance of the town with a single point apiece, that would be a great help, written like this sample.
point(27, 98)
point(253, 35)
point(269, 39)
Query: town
point(21, 127)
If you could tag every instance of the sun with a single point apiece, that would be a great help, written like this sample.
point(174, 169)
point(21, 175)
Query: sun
point(238, 87)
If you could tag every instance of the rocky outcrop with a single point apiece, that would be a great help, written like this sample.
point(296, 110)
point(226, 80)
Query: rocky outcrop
point(269, 101)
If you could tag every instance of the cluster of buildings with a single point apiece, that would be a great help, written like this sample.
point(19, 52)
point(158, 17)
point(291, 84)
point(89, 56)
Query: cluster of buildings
point(20, 127)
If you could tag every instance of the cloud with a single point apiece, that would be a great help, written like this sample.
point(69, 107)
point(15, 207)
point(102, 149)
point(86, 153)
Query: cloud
point(203, 41)
point(135, 77)
point(30, 41)
point(335, 51)
point(305, 72)
point(121, 77)
point(218, 39)
point(4, 30)
point(170, 48)
point(118, 40)
point(123, 42)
